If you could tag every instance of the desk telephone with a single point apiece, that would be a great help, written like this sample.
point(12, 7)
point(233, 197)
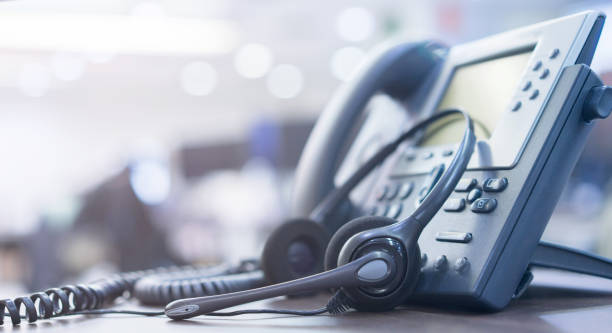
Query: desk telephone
point(441, 197)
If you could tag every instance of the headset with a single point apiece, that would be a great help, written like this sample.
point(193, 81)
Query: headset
point(373, 260)
point(297, 247)
point(378, 259)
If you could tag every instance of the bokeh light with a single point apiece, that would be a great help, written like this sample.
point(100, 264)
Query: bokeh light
point(285, 81)
point(198, 78)
point(253, 60)
point(355, 24)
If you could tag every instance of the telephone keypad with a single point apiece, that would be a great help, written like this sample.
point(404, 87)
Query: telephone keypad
point(431, 180)
point(381, 193)
point(383, 209)
point(454, 205)
point(484, 205)
point(495, 184)
point(405, 190)
point(466, 184)
point(392, 191)
point(394, 210)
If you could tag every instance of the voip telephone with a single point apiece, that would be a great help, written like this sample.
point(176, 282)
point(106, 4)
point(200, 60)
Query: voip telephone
point(448, 185)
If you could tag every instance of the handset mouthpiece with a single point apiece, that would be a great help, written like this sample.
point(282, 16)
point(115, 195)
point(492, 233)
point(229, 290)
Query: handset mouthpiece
point(370, 270)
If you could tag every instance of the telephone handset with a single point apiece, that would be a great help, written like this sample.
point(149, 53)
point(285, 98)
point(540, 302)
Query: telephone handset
point(441, 222)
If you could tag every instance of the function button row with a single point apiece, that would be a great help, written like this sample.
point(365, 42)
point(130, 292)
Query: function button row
point(526, 86)
point(495, 184)
point(461, 264)
point(454, 205)
point(537, 66)
point(411, 156)
point(484, 205)
point(553, 54)
point(454, 237)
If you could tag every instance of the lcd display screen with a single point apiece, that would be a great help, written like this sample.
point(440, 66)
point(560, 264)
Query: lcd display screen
point(483, 89)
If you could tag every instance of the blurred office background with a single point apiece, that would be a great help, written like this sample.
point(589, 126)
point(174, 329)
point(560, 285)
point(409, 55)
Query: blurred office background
point(139, 133)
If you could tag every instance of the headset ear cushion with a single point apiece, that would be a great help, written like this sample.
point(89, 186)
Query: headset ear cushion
point(347, 231)
point(295, 249)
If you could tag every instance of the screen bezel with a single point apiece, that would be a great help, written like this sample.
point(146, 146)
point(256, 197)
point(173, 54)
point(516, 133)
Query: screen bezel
point(506, 144)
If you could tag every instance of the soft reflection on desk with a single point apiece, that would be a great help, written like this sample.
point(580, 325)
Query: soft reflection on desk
point(555, 302)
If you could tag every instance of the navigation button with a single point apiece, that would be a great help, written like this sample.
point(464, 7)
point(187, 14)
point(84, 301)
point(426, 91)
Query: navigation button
point(495, 184)
point(466, 184)
point(484, 205)
point(473, 195)
point(454, 205)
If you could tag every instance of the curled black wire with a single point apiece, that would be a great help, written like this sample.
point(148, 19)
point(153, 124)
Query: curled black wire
point(176, 282)
point(67, 299)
